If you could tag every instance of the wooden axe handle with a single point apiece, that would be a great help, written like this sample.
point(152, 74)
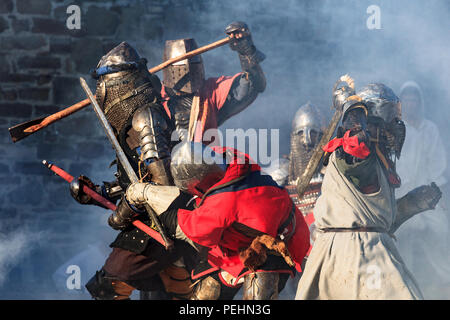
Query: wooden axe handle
point(190, 54)
point(80, 105)
point(58, 116)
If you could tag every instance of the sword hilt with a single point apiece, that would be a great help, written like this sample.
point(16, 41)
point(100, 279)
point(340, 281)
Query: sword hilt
point(47, 164)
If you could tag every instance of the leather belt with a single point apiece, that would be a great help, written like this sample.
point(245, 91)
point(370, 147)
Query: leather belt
point(359, 229)
point(253, 233)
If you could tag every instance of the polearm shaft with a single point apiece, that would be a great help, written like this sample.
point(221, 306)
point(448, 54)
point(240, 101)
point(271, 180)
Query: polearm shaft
point(108, 204)
point(318, 152)
point(190, 54)
point(23, 130)
point(122, 158)
point(110, 133)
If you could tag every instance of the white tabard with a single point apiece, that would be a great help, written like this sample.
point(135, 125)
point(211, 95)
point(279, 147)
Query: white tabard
point(355, 265)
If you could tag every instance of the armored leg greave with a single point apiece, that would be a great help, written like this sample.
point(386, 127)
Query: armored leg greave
point(105, 287)
point(261, 286)
point(207, 289)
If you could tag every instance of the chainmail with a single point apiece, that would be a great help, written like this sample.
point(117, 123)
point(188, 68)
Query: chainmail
point(299, 157)
point(119, 113)
point(308, 200)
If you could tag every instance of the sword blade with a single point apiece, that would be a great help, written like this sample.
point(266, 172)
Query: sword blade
point(110, 134)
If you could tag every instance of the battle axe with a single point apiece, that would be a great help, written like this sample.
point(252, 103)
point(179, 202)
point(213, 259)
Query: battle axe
point(23, 130)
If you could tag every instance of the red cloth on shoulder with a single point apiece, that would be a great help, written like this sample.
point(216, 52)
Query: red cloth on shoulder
point(255, 201)
point(213, 95)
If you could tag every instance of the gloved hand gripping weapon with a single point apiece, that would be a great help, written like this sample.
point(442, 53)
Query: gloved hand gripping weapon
point(105, 203)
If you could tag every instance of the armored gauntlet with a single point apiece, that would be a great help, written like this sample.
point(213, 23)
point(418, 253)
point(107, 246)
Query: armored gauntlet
point(249, 56)
point(342, 89)
point(418, 200)
point(123, 216)
point(76, 190)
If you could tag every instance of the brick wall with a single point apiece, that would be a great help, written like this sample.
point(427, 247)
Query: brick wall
point(40, 63)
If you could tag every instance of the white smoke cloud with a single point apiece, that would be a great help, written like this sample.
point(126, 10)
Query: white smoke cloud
point(14, 247)
point(309, 44)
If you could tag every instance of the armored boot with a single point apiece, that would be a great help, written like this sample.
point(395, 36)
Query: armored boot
point(261, 286)
point(105, 287)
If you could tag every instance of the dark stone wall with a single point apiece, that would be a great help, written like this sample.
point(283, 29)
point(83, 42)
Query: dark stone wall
point(41, 61)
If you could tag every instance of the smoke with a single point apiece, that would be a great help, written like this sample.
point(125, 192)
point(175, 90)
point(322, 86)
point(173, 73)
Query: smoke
point(308, 45)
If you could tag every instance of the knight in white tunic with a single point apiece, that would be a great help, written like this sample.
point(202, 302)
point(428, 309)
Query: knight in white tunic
point(354, 254)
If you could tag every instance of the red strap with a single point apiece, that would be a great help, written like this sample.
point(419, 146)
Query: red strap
point(138, 224)
point(350, 145)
